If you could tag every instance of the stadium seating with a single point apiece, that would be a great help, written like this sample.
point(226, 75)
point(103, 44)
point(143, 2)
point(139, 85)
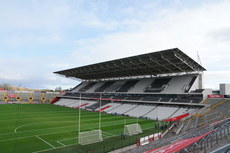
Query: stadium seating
point(178, 84)
point(137, 97)
point(127, 86)
point(140, 110)
point(190, 84)
point(161, 113)
point(151, 98)
point(97, 105)
point(173, 85)
point(74, 103)
point(133, 98)
point(179, 112)
point(104, 86)
point(87, 87)
point(158, 85)
point(94, 87)
point(115, 86)
point(122, 109)
point(112, 106)
point(141, 85)
point(78, 87)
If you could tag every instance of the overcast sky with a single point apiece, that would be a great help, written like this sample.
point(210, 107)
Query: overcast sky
point(38, 37)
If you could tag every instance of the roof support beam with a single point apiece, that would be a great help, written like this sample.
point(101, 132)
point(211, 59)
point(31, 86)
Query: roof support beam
point(155, 61)
point(169, 61)
point(185, 61)
point(166, 59)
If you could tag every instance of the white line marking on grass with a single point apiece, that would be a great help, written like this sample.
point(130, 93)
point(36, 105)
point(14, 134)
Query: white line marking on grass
point(16, 138)
point(33, 135)
point(108, 133)
point(60, 143)
point(45, 141)
point(15, 130)
point(52, 148)
point(68, 139)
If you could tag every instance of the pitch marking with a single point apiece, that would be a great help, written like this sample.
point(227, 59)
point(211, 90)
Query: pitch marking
point(45, 141)
point(60, 143)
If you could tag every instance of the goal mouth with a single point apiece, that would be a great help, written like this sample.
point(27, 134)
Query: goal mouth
point(132, 129)
point(90, 137)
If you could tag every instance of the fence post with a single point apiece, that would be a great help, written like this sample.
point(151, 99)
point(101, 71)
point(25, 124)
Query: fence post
point(211, 140)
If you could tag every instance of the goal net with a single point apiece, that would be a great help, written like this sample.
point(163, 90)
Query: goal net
point(89, 137)
point(132, 129)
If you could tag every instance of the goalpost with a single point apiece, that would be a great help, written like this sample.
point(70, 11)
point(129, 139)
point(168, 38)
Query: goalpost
point(132, 129)
point(92, 136)
point(89, 137)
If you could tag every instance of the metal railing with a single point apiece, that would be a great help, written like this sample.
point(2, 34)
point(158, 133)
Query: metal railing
point(221, 132)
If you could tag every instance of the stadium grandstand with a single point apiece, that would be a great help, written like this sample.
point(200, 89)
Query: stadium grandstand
point(158, 86)
point(21, 96)
point(154, 102)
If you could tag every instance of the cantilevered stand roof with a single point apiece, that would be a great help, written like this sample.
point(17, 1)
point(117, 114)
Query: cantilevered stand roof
point(161, 62)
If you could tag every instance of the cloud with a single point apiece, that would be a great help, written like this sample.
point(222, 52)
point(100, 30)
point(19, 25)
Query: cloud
point(214, 78)
point(203, 29)
point(65, 34)
point(33, 73)
point(222, 34)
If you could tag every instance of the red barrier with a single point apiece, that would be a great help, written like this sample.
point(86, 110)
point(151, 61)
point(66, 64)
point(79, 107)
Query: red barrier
point(105, 99)
point(100, 110)
point(215, 96)
point(11, 95)
point(179, 145)
point(82, 105)
point(55, 100)
point(177, 117)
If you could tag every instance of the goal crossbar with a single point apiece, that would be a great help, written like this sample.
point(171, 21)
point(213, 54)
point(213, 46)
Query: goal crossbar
point(89, 137)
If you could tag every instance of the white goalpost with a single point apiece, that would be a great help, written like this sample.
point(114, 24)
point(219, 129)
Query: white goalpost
point(92, 136)
point(132, 129)
point(89, 137)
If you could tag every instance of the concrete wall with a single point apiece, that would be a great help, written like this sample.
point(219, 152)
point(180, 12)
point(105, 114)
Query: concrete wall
point(225, 89)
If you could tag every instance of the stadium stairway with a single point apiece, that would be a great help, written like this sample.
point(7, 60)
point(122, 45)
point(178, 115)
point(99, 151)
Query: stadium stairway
point(82, 105)
point(113, 106)
point(56, 99)
point(140, 110)
point(208, 116)
point(130, 109)
point(174, 113)
point(97, 105)
point(103, 108)
point(149, 111)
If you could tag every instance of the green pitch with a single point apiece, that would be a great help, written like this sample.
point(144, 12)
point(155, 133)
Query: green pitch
point(26, 128)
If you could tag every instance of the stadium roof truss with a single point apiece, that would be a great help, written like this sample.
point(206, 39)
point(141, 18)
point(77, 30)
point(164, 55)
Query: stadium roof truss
point(153, 64)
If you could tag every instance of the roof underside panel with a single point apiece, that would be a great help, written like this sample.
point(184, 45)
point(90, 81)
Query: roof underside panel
point(162, 62)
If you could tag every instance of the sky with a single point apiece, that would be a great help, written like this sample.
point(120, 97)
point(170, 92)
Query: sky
point(39, 37)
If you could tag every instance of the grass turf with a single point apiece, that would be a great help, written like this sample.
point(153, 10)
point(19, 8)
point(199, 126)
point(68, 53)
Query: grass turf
point(26, 128)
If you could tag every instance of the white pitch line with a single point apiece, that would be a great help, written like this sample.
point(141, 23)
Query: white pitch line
point(60, 143)
point(45, 141)
point(15, 130)
point(108, 133)
point(49, 134)
point(68, 139)
point(52, 148)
